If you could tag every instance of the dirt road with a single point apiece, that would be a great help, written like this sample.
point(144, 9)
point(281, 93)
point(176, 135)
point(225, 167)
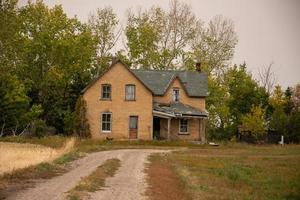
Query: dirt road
point(128, 182)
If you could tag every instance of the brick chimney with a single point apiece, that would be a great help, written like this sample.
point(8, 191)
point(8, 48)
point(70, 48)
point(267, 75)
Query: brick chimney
point(198, 65)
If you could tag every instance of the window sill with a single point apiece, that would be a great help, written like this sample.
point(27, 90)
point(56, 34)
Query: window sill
point(105, 132)
point(183, 133)
point(103, 99)
point(130, 100)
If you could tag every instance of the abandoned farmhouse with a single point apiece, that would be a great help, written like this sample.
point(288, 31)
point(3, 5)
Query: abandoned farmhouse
point(125, 103)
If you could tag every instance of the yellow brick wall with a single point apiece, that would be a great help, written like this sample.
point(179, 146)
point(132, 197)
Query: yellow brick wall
point(118, 76)
point(183, 98)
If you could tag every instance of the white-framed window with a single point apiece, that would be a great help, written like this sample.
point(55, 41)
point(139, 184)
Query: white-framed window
point(129, 92)
point(183, 126)
point(106, 91)
point(175, 94)
point(106, 122)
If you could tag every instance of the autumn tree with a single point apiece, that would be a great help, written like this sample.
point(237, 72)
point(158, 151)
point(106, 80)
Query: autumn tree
point(253, 124)
point(214, 45)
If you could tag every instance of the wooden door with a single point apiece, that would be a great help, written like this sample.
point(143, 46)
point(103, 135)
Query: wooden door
point(133, 127)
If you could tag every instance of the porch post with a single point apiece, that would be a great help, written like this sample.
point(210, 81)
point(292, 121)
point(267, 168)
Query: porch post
point(203, 130)
point(169, 124)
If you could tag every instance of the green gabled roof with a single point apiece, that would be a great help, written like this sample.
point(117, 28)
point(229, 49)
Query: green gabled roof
point(158, 81)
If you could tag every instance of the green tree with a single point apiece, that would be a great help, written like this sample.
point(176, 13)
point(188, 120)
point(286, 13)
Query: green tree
point(279, 121)
point(142, 32)
point(13, 104)
point(288, 100)
point(293, 132)
point(253, 123)
point(219, 114)
point(57, 59)
point(294, 128)
point(159, 38)
point(279, 118)
point(9, 36)
point(103, 25)
point(244, 92)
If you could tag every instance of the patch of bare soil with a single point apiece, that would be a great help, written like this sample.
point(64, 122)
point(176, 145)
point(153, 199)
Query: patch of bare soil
point(163, 183)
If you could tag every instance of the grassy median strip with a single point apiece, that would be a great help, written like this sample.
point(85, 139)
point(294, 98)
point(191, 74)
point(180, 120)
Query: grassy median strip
point(96, 180)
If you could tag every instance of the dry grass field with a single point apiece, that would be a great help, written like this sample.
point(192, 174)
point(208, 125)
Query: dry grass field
point(17, 155)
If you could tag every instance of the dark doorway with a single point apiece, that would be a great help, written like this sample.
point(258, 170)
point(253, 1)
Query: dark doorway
point(156, 128)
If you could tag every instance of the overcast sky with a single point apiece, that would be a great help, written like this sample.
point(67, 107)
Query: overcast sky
point(268, 30)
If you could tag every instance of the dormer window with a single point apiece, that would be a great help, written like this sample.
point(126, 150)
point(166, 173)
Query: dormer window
point(106, 92)
point(175, 94)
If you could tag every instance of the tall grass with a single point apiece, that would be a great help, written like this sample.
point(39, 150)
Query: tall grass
point(16, 155)
point(55, 141)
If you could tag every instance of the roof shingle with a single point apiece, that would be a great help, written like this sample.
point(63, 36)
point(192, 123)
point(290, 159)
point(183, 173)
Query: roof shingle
point(157, 81)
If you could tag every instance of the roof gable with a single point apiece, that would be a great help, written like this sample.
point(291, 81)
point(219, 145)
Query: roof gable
point(106, 70)
point(171, 83)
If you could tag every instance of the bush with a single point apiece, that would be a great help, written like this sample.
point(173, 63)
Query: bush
point(81, 126)
point(38, 128)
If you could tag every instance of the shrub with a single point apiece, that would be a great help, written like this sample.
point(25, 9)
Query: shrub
point(81, 126)
point(38, 128)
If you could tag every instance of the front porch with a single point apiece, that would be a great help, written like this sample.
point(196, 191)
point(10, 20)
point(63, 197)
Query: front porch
point(177, 121)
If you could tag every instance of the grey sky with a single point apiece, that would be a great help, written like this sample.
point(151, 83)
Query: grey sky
point(268, 30)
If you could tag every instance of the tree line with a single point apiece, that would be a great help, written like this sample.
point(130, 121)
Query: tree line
point(47, 58)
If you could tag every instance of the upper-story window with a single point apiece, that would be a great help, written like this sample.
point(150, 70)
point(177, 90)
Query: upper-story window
point(106, 91)
point(175, 94)
point(130, 92)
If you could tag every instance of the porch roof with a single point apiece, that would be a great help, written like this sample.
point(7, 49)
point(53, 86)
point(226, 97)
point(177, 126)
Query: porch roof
point(176, 109)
